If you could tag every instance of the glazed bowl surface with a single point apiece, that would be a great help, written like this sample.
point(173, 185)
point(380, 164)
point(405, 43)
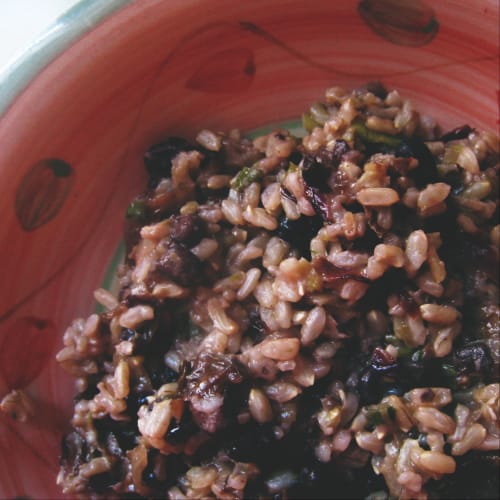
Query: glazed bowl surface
point(79, 110)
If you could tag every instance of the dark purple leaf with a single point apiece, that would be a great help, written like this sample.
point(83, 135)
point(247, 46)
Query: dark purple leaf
point(456, 134)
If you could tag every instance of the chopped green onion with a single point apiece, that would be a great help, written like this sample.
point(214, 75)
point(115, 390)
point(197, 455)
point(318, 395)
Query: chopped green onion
point(391, 339)
point(136, 209)
point(451, 154)
point(404, 351)
point(418, 356)
point(245, 177)
point(373, 137)
point(319, 113)
point(308, 122)
point(375, 417)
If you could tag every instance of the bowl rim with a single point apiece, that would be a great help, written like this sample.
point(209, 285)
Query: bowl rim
point(67, 29)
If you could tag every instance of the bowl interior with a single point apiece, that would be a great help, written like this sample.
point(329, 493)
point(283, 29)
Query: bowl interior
point(72, 144)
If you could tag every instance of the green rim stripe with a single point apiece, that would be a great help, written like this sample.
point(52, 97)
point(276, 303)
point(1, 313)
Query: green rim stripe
point(67, 29)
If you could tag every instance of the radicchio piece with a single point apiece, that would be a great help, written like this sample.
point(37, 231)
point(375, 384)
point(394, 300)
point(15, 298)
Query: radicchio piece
point(318, 200)
point(206, 387)
point(331, 275)
point(381, 361)
point(318, 167)
point(317, 172)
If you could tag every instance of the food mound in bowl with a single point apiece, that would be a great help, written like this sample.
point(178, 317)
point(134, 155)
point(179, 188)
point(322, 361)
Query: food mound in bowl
point(309, 317)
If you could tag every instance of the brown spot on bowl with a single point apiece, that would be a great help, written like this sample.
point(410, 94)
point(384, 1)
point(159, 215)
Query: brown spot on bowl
point(403, 22)
point(42, 192)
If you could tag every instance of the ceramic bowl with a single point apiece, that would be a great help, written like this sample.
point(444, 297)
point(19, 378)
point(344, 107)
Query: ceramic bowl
point(112, 77)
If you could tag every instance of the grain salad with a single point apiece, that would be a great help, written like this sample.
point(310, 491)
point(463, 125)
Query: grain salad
point(299, 317)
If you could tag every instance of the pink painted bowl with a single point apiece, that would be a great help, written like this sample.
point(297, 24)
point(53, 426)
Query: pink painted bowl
point(112, 77)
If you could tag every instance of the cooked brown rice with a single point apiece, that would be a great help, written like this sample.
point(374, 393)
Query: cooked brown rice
point(300, 318)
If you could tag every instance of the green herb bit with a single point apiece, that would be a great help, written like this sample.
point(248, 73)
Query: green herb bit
point(375, 417)
point(391, 339)
point(373, 137)
point(245, 177)
point(309, 123)
point(319, 113)
point(418, 356)
point(404, 351)
point(452, 153)
point(136, 209)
